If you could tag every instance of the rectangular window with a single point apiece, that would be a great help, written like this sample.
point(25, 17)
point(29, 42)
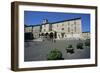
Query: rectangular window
point(74, 22)
point(44, 29)
point(44, 25)
point(57, 25)
point(75, 28)
point(62, 24)
point(68, 24)
point(68, 29)
point(62, 28)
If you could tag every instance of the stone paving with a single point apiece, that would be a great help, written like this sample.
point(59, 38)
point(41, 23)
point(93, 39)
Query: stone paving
point(38, 50)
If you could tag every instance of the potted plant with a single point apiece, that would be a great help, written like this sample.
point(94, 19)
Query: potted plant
point(79, 46)
point(54, 54)
point(70, 49)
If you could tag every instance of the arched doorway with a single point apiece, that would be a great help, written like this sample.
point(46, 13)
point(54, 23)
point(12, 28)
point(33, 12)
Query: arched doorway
point(42, 34)
point(55, 34)
point(46, 35)
point(62, 34)
point(51, 35)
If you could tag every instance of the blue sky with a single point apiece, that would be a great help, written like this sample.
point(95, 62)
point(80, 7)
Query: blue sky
point(36, 17)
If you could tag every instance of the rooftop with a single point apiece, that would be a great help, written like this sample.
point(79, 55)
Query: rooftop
point(53, 22)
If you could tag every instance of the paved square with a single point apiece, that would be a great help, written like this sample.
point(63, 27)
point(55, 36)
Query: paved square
point(38, 50)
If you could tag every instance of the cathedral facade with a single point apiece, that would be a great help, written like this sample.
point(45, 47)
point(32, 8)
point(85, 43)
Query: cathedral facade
point(65, 29)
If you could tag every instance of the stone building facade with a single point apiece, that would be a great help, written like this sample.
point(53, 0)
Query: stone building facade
point(86, 35)
point(66, 29)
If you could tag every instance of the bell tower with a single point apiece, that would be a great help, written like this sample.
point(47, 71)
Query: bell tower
point(45, 21)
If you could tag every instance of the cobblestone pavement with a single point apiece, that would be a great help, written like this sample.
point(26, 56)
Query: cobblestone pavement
point(38, 50)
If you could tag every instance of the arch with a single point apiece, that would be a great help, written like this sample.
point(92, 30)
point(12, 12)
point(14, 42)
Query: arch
point(46, 34)
point(62, 34)
point(42, 34)
point(51, 35)
point(55, 34)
